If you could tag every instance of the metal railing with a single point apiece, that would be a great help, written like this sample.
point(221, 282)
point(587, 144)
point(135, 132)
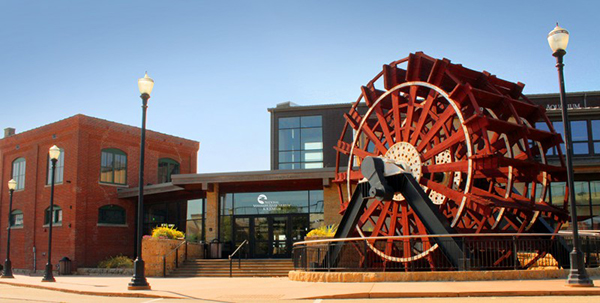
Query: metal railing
point(422, 253)
point(239, 258)
point(176, 250)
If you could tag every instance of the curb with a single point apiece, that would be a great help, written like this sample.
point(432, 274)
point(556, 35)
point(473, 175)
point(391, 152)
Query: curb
point(435, 276)
point(509, 293)
point(93, 293)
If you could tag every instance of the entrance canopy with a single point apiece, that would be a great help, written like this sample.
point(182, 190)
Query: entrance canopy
point(196, 185)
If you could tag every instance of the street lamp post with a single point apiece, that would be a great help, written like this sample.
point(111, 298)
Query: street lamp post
point(54, 154)
point(7, 273)
point(558, 39)
point(138, 282)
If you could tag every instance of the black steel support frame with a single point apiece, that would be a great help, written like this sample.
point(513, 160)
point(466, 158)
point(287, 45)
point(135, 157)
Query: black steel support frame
point(559, 249)
point(7, 271)
point(383, 188)
point(138, 281)
point(577, 275)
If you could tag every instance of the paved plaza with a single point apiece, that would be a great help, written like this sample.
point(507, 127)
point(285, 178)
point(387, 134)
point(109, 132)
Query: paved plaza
point(281, 289)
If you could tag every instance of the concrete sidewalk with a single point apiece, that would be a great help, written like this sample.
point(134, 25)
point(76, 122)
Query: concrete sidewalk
point(263, 289)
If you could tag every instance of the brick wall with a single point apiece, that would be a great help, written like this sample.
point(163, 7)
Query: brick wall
point(79, 237)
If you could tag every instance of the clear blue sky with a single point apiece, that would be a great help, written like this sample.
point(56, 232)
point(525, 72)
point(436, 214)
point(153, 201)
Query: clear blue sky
point(218, 65)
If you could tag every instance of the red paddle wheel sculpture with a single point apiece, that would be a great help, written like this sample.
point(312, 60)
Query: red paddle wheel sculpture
point(467, 137)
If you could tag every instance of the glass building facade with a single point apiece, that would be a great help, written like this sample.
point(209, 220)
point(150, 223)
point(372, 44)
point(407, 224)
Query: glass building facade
point(270, 221)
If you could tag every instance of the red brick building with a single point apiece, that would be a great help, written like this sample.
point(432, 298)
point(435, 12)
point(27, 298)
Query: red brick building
point(97, 158)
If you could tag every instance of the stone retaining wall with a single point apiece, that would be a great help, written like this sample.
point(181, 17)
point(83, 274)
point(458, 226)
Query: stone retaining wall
point(306, 276)
point(153, 250)
point(105, 271)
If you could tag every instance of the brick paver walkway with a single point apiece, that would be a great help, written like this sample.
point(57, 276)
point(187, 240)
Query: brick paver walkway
point(253, 289)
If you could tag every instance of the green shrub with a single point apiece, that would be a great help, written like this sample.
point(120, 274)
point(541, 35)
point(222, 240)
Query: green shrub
point(323, 231)
point(167, 232)
point(119, 261)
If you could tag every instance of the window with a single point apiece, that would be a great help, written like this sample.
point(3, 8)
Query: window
point(16, 218)
point(56, 215)
point(579, 136)
point(60, 167)
point(300, 142)
point(166, 168)
point(587, 196)
point(113, 167)
point(584, 142)
point(194, 230)
point(18, 172)
point(111, 214)
point(596, 136)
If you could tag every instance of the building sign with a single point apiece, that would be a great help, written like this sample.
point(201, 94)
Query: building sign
point(265, 204)
point(558, 106)
point(574, 100)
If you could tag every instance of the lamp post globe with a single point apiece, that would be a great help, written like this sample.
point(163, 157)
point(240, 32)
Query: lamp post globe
point(12, 185)
point(138, 281)
point(145, 84)
point(7, 271)
point(54, 153)
point(558, 39)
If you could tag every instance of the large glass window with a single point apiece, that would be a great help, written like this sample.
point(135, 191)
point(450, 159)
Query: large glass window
point(56, 215)
point(557, 190)
point(225, 220)
point(317, 205)
point(595, 200)
point(18, 172)
point(60, 167)
point(587, 196)
point(582, 198)
point(113, 166)
point(16, 218)
point(112, 214)
point(596, 135)
point(579, 135)
point(584, 142)
point(300, 142)
point(270, 203)
point(171, 212)
point(194, 230)
point(260, 203)
point(166, 168)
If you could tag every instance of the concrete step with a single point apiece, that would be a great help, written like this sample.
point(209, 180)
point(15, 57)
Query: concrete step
point(185, 269)
point(220, 268)
point(236, 261)
point(237, 265)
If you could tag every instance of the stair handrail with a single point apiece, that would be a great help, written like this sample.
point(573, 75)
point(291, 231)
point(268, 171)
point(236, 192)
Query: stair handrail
point(239, 258)
point(176, 250)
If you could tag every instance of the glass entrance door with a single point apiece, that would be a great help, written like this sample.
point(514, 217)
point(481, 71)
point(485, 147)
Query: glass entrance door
point(270, 236)
point(280, 236)
point(260, 243)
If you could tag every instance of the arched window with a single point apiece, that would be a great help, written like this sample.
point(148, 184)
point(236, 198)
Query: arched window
point(56, 215)
point(166, 168)
point(60, 168)
point(18, 172)
point(111, 214)
point(113, 166)
point(16, 218)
